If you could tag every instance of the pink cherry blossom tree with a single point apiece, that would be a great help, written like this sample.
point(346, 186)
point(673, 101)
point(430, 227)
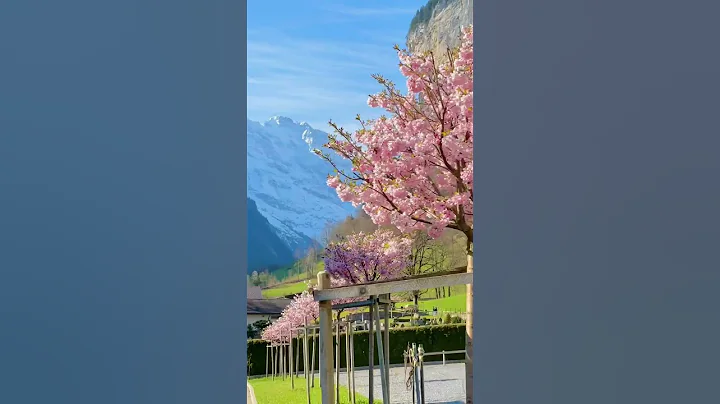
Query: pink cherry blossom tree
point(366, 257)
point(302, 307)
point(413, 169)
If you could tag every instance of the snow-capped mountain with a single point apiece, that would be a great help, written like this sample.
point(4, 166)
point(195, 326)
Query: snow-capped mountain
point(288, 181)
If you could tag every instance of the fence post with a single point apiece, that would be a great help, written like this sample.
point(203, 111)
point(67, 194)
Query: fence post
point(443, 357)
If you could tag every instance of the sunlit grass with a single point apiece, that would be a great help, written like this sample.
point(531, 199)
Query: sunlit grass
point(279, 391)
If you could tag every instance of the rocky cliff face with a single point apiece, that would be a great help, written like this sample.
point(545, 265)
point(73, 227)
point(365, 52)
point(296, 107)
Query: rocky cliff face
point(437, 25)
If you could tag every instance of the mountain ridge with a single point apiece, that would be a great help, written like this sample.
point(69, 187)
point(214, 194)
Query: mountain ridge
point(287, 180)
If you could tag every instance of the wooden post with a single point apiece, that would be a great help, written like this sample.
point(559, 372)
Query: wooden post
point(306, 361)
point(338, 362)
point(347, 359)
point(312, 358)
point(421, 352)
point(381, 354)
point(469, 328)
point(297, 357)
point(272, 359)
point(386, 344)
point(290, 352)
point(326, 343)
point(371, 357)
point(352, 363)
point(416, 377)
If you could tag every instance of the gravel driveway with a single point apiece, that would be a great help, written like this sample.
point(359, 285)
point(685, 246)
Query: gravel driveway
point(443, 384)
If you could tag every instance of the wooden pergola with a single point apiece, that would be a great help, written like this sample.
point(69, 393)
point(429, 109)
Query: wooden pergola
point(377, 294)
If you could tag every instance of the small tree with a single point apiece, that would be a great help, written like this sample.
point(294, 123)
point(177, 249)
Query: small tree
point(255, 279)
point(303, 307)
point(261, 325)
point(414, 169)
point(427, 256)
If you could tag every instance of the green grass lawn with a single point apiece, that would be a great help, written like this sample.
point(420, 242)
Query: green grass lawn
point(278, 391)
point(290, 288)
point(454, 303)
point(284, 290)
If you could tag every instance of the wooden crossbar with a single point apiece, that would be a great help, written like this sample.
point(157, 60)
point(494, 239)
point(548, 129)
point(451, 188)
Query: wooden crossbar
point(428, 281)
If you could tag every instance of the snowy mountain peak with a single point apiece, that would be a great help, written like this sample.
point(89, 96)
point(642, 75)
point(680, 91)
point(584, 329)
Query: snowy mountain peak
point(288, 181)
point(280, 121)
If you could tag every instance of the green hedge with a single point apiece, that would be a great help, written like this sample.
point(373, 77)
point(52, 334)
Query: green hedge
point(435, 338)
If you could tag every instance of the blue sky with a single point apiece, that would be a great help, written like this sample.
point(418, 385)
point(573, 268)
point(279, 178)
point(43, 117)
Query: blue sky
point(312, 60)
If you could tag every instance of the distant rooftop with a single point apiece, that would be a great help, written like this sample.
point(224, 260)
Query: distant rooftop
point(267, 306)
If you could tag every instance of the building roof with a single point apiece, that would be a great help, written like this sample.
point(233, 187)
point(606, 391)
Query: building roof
point(266, 306)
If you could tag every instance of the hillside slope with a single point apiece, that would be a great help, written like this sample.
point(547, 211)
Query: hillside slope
point(265, 249)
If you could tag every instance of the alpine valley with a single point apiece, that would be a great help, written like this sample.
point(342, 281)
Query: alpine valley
point(290, 203)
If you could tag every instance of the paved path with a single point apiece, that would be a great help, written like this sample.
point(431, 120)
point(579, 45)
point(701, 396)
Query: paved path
point(443, 384)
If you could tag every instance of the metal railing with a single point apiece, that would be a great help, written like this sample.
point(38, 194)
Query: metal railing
point(444, 354)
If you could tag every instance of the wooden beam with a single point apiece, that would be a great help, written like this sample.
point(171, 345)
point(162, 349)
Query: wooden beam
point(394, 286)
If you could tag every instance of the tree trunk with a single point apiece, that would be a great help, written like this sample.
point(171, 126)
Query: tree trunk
point(415, 299)
point(469, 328)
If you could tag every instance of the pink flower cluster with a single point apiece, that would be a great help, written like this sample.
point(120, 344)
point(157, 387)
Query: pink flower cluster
point(361, 258)
point(302, 308)
point(414, 169)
